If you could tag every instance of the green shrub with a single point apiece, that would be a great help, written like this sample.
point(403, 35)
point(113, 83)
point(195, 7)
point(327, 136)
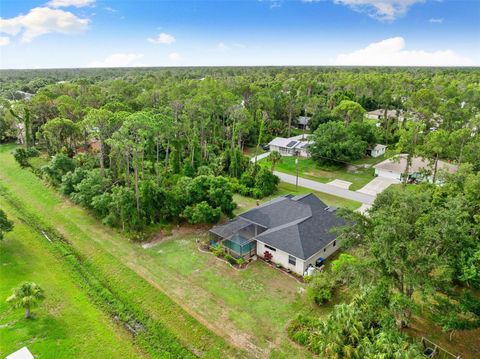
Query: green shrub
point(320, 288)
point(202, 213)
point(240, 261)
point(22, 155)
point(217, 250)
point(59, 165)
point(230, 259)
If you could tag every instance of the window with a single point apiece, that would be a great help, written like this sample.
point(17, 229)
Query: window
point(271, 248)
point(324, 249)
point(334, 243)
point(292, 260)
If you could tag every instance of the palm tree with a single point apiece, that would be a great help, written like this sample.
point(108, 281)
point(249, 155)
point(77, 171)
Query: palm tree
point(275, 157)
point(27, 295)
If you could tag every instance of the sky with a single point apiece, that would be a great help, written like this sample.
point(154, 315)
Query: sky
point(122, 33)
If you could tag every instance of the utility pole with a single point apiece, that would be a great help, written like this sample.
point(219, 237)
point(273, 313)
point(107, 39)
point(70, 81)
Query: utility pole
point(296, 169)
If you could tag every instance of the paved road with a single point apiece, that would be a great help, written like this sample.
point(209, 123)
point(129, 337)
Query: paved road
point(326, 188)
point(259, 157)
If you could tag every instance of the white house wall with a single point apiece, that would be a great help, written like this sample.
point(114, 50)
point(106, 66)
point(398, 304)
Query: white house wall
point(325, 252)
point(281, 257)
point(376, 153)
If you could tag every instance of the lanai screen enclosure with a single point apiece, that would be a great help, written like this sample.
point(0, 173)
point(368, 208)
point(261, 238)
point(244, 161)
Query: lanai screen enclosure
point(237, 237)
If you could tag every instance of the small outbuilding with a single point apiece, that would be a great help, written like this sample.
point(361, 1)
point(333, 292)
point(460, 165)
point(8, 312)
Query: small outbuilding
point(376, 151)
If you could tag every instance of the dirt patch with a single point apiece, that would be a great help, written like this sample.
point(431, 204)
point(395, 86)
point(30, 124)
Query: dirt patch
point(175, 232)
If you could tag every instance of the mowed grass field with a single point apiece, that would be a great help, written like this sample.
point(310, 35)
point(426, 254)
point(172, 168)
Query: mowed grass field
point(213, 309)
point(66, 324)
point(115, 260)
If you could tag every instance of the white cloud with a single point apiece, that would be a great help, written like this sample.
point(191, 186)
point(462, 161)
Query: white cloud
point(222, 47)
point(384, 10)
point(118, 60)
point(162, 38)
point(110, 9)
point(392, 52)
point(273, 3)
point(174, 56)
point(43, 20)
point(67, 3)
point(436, 21)
point(4, 40)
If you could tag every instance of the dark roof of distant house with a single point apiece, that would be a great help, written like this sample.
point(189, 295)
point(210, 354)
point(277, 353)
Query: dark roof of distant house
point(298, 225)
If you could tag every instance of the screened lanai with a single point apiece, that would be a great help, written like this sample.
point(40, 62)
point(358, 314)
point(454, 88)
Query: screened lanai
point(237, 236)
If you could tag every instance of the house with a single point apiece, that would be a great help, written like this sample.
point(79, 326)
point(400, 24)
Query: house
point(22, 95)
point(22, 353)
point(302, 122)
point(379, 114)
point(292, 146)
point(294, 230)
point(376, 151)
point(420, 169)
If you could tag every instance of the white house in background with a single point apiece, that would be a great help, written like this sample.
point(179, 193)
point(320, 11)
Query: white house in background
point(380, 113)
point(376, 151)
point(420, 169)
point(292, 146)
point(22, 353)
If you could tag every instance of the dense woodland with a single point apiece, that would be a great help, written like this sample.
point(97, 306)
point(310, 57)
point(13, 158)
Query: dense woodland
point(141, 147)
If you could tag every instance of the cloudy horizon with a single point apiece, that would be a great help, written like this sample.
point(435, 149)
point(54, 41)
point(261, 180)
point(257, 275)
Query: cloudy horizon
point(102, 33)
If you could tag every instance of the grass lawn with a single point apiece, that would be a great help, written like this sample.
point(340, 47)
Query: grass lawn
point(66, 324)
point(246, 203)
point(38, 162)
point(115, 260)
point(253, 305)
point(310, 169)
point(212, 309)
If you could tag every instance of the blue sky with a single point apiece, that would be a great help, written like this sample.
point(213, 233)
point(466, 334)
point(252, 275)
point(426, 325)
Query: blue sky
point(93, 33)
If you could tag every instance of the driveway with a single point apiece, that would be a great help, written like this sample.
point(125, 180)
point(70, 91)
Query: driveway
point(377, 185)
point(260, 157)
point(364, 198)
point(340, 183)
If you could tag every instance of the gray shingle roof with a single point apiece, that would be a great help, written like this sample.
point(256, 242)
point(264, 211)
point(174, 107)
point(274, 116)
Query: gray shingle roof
point(298, 225)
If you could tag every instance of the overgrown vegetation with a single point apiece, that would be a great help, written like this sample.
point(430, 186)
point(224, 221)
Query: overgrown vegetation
point(419, 249)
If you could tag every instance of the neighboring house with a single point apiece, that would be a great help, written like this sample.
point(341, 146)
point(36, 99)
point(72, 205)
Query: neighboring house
point(376, 151)
point(22, 95)
point(420, 169)
point(302, 122)
point(380, 113)
point(22, 353)
point(295, 230)
point(292, 146)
